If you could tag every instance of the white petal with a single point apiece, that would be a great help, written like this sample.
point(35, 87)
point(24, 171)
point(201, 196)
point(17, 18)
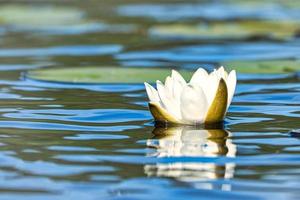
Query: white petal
point(173, 90)
point(169, 86)
point(176, 76)
point(178, 84)
point(231, 84)
point(211, 87)
point(193, 104)
point(167, 101)
point(199, 77)
point(221, 70)
point(152, 93)
point(222, 73)
point(162, 94)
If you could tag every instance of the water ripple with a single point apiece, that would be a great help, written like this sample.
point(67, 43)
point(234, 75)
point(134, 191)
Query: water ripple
point(63, 127)
point(82, 50)
point(87, 115)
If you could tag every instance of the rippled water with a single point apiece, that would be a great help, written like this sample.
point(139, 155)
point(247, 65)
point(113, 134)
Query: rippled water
point(72, 141)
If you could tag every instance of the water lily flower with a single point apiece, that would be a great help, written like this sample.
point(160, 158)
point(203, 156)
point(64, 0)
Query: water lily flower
point(204, 100)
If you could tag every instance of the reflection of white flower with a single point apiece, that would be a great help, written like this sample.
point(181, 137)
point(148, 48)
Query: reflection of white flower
point(205, 99)
point(190, 142)
point(186, 141)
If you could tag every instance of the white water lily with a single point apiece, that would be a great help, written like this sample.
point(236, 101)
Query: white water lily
point(204, 100)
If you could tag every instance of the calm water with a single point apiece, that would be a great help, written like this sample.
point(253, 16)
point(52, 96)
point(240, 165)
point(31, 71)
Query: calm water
point(71, 141)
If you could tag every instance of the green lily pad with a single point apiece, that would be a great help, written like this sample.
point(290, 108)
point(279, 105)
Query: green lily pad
point(39, 15)
point(267, 67)
point(260, 3)
point(239, 30)
point(103, 75)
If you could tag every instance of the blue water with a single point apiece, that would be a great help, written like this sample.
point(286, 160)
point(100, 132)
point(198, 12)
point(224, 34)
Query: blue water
point(81, 141)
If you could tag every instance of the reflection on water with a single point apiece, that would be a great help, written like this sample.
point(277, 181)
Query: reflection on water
point(191, 142)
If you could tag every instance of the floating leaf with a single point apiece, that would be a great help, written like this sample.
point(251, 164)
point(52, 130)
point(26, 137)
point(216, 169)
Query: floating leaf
point(39, 15)
point(266, 3)
point(102, 75)
point(274, 66)
point(210, 10)
point(54, 20)
point(241, 29)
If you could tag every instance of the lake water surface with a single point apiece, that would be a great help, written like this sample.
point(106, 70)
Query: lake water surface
point(81, 141)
